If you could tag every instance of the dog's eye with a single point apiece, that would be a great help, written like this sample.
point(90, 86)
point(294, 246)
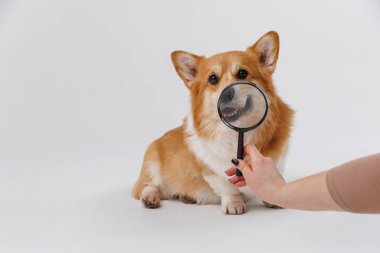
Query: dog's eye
point(213, 79)
point(242, 74)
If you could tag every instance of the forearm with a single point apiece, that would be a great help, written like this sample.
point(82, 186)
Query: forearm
point(309, 193)
point(353, 186)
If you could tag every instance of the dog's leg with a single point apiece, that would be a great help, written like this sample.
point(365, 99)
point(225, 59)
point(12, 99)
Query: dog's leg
point(152, 191)
point(232, 200)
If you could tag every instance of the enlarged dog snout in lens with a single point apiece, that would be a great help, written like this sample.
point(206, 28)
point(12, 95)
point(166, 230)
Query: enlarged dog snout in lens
point(228, 95)
point(242, 105)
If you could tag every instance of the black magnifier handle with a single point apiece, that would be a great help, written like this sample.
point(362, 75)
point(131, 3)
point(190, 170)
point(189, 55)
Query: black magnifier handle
point(240, 151)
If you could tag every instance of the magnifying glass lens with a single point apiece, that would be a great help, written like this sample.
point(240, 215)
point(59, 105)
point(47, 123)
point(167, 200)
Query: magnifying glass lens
point(242, 106)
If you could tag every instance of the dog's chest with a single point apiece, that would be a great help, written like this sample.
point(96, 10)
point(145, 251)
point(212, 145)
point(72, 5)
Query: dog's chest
point(216, 155)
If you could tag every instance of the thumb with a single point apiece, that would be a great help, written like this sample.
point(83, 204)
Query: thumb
point(244, 167)
point(252, 152)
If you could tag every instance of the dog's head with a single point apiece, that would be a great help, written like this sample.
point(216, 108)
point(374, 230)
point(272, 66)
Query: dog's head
point(206, 77)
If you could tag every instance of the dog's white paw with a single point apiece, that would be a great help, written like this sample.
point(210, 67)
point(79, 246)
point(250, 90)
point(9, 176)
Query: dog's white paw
point(233, 205)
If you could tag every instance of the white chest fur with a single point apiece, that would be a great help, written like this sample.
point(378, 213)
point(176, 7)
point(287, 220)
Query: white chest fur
point(216, 154)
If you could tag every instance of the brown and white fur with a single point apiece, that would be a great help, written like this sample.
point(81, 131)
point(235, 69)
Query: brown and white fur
point(188, 162)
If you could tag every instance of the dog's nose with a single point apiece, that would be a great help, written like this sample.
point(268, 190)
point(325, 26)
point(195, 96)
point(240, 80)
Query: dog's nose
point(228, 95)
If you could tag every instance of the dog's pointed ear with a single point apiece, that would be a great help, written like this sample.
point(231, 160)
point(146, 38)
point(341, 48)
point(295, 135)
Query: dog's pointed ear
point(267, 49)
point(186, 65)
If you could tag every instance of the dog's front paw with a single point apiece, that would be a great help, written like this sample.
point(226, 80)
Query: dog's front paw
point(233, 205)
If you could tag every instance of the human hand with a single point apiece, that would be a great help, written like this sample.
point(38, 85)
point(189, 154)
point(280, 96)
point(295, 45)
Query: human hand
point(259, 173)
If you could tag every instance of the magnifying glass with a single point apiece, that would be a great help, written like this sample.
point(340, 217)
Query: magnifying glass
point(242, 106)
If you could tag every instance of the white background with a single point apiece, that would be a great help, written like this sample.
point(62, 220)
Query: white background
point(86, 85)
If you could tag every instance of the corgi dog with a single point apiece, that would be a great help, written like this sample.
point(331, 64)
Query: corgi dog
point(188, 162)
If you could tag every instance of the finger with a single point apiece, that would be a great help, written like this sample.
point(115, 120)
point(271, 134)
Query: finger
point(231, 171)
point(241, 183)
point(235, 179)
point(252, 151)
